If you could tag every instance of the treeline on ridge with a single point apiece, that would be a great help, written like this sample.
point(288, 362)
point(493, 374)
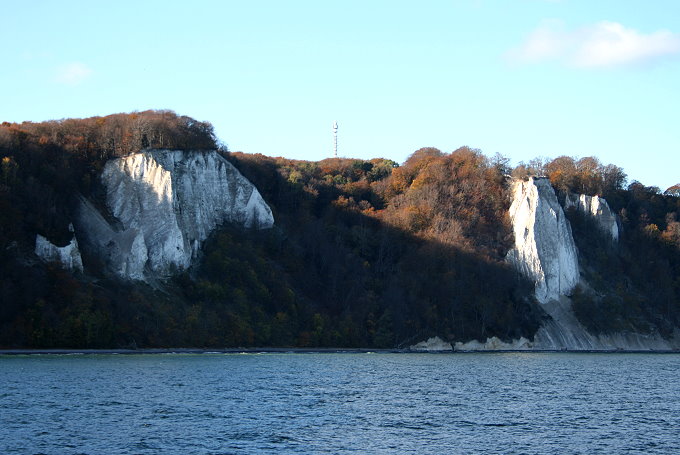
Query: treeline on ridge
point(364, 253)
point(370, 266)
point(44, 164)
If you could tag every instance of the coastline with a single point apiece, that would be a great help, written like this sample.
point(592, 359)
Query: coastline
point(197, 351)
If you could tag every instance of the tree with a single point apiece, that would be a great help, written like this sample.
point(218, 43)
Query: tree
point(502, 163)
point(614, 177)
point(588, 175)
point(537, 166)
point(562, 173)
point(673, 190)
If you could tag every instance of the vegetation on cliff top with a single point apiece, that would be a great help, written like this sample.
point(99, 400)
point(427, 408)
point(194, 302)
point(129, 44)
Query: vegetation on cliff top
point(364, 253)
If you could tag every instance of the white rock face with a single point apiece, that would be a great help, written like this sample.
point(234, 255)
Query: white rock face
point(68, 256)
point(597, 208)
point(544, 249)
point(569, 335)
point(124, 252)
point(565, 332)
point(167, 202)
point(495, 344)
point(434, 344)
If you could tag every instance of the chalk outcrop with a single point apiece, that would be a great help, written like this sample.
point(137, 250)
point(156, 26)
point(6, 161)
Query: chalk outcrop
point(495, 344)
point(545, 252)
point(564, 331)
point(434, 344)
point(68, 256)
point(165, 203)
point(597, 208)
point(544, 248)
point(122, 251)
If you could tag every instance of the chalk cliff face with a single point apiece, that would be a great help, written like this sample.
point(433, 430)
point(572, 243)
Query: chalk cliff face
point(434, 344)
point(564, 331)
point(598, 209)
point(544, 248)
point(166, 203)
point(123, 251)
point(68, 256)
point(544, 251)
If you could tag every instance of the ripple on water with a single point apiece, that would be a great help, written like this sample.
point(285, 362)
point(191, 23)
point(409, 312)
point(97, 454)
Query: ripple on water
point(341, 403)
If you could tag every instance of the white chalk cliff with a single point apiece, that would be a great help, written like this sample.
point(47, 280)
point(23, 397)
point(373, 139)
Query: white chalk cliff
point(544, 248)
point(68, 256)
point(165, 204)
point(495, 344)
point(597, 208)
point(545, 252)
point(433, 344)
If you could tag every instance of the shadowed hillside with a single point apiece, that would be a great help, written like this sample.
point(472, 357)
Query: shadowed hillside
point(363, 253)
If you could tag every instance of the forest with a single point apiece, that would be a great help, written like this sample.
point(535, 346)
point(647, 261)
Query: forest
point(365, 253)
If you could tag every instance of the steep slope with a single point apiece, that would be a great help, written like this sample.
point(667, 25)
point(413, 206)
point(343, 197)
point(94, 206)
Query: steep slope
point(166, 203)
point(68, 256)
point(598, 209)
point(366, 253)
point(544, 249)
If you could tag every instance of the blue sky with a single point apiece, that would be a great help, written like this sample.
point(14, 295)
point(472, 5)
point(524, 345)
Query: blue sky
point(523, 78)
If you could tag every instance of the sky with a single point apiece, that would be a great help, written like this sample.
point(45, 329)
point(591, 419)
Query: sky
point(523, 78)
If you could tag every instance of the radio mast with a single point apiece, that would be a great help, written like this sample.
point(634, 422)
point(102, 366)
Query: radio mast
point(335, 139)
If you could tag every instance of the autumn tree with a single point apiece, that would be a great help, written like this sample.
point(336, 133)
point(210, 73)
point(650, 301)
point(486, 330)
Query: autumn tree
point(673, 190)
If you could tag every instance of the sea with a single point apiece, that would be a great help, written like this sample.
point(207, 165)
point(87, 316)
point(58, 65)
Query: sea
point(340, 403)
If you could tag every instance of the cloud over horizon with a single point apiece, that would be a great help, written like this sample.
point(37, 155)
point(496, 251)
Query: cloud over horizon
point(72, 73)
point(601, 45)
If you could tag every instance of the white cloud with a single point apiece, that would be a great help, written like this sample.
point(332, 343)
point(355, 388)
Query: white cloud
point(549, 40)
point(73, 73)
point(604, 44)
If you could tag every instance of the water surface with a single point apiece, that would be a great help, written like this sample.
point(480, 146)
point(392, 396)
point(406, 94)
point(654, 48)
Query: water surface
point(515, 403)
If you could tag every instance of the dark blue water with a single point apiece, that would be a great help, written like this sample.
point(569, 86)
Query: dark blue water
point(340, 403)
